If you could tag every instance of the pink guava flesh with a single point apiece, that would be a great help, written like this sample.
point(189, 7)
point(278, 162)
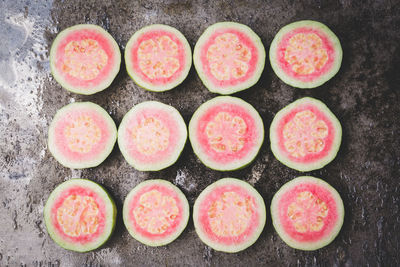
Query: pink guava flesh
point(244, 40)
point(168, 124)
point(104, 45)
point(318, 200)
point(154, 36)
point(167, 194)
point(99, 206)
point(249, 137)
point(310, 50)
point(251, 223)
point(327, 140)
point(98, 142)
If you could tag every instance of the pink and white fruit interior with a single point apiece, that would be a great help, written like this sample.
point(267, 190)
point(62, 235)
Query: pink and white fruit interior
point(229, 57)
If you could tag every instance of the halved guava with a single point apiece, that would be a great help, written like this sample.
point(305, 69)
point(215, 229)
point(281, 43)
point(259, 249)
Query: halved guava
point(81, 135)
point(84, 59)
point(305, 54)
point(229, 215)
point(80, 215)
point(229, 57)
point(155, 212)
point(151, 136)
point(226, 133)
point(305, 135)
point(158, 57)
point(307, 213)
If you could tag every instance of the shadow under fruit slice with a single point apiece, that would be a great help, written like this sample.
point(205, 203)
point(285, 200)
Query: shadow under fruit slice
point(305, 54)
point(151, 136)
point(229, 215)
point(158, 57)
point(305, 135)
point(307, 213)
point(229, 57)
point(155, 212)
point(81, 135)
point(226, 133)
point(80, 215)
point(84, 59)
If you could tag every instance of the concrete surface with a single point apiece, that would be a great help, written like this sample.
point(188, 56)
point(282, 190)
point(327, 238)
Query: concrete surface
point(364, 95)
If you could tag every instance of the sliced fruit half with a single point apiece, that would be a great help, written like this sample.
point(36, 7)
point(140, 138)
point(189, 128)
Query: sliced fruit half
point(229, 57)
point(305, 54)
point(158, 57)
point(307, 213)
point(81, 135)
point(305, 135)
point(151, 136)
point(80, 215)
point(229, 215)
point(155, 212)
point(226, 133)
point(84, 59)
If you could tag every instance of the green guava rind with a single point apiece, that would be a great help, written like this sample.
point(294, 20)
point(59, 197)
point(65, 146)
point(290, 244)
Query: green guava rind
point(256, 42)
point(84, 91)
point(144, 84)
point(281, 231)
point(123, 147)
point(87, 164)
point(145, 240)
point(262, 212)
point(238, 164)
point(303, 167)
point(110, 219)
point(293, 81)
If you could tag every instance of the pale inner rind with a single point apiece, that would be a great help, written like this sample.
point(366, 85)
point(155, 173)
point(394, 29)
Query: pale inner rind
point(230, 214)
point(305, 53)
point(150, 136)
point(307, 212)
point(228, 57)
point(304, 134)
point(158, 57)
point(82, 134)
point(78, 215)
point(155, 212)
point(84, 59)
point(226, 133)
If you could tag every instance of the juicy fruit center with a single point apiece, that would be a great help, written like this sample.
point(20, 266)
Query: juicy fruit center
point(78, 215)
point(150, 136)
point(82, 134)
point(230, 215)
point(305, 53)
point(158, 57)
point(228, 57)
point(226, 133)
point(84, 59)
point(156, 212)
point(304, 134)
point(307, 212)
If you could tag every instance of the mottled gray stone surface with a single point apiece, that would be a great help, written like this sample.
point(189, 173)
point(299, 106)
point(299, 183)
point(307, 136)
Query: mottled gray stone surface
point(364, 95)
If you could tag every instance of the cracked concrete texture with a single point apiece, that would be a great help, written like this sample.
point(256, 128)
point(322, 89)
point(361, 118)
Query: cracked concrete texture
point(364, 95)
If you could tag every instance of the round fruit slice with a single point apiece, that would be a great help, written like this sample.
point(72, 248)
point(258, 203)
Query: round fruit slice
point(158, 57)
point(155, 212)
point(84, 59)
point(229, 57)
point(307, 213)
point(81, 135)
point(305, 135)
point(226, 133)
point(80, 215)
point(151, 136)
point(229, 215)
point(305, 54)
